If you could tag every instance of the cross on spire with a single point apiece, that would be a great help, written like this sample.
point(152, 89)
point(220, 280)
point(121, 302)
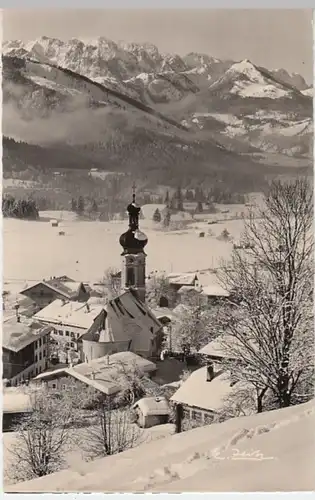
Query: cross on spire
point(134, 191)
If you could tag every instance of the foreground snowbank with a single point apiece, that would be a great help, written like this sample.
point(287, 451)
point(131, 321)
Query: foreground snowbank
point(272, 451)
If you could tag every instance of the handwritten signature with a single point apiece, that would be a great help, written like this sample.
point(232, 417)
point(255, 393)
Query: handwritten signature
point(254, 455)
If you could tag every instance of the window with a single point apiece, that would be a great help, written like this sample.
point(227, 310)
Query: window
point(163, 302)
point(53, 386)
point(40, 356)
point(130, 276)
point(44, 353)
point(39, 342)
point(208, 418)
point(186, 413)
point(35, 344)
point(72, 335)
point(72, 344)
point(35, 358)
point(196, 415)
point(60, 332)
point(67, 333)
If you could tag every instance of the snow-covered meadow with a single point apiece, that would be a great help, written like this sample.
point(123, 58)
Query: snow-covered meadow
point(33, 250)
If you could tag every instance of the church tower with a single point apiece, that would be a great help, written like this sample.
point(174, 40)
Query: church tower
point(133, 255)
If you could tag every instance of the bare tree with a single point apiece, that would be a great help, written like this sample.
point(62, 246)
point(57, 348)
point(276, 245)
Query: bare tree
point(41, 438)
point(241, 401)
point(115, 430)
point(159, 291)
point(193, 329)
point(44, 435)
point(271, 335)
point(112, 282)
point(113, 433)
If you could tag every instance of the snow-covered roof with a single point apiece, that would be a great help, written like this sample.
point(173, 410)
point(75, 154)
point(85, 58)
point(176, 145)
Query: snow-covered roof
point(187, 288)
point(75, 314)
point(153, 406)
point(207, 280)
point(17, 335)
point(284, 436)
point(15, 400)
point(102, 373)
point(214, 291)
point(214, 348)
point(51, 374)
point(163, 312)
point(197, 391)
point(182, 279)
point(63, 285)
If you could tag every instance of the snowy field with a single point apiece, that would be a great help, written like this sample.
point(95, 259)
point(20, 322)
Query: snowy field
point(272, 451)
point(33, 250)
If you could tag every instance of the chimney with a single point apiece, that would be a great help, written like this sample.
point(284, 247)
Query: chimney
point(107, 359)
point(210, 372)
point(18, 318)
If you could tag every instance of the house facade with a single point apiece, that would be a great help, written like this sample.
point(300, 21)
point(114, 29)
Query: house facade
point(201, 286)
point(25, 349)
point(101, 374)
point(69, 321)
point(151, 411)
point(202, 395)
point(16, 404)
point(62, 287)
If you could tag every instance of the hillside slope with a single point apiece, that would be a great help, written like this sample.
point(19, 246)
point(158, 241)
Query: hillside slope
point(50, 106)
point(146, 111)
point(272, 451)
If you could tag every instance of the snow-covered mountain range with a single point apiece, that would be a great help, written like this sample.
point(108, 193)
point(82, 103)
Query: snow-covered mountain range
point(147, 96)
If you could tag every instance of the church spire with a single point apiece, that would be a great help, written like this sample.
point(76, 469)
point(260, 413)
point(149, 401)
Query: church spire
point(133, 211)
point(133, 242)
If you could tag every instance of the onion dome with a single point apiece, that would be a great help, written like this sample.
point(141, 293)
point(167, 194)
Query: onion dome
point(133, 241)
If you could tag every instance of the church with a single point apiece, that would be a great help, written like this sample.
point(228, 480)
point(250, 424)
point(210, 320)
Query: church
point(126, 323)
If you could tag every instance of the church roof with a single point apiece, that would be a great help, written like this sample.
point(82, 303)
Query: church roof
point(124, 318)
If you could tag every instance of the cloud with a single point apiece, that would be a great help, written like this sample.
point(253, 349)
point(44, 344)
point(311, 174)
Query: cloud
point(78, 126)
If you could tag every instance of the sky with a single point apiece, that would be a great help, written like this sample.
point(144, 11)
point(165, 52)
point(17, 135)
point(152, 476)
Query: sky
point(272, 38)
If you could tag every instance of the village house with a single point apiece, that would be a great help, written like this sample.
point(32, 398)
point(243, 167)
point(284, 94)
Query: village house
point(69, 321)
point(44, 292)
point(202, 395)
point(215, 350)
point(102, 374)
point(16, 403)
point(25, 349)
point(201, 286)
point(151, 411)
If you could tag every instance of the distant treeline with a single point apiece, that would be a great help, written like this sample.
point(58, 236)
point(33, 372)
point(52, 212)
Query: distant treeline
point(19, 208)
point(142, 158)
